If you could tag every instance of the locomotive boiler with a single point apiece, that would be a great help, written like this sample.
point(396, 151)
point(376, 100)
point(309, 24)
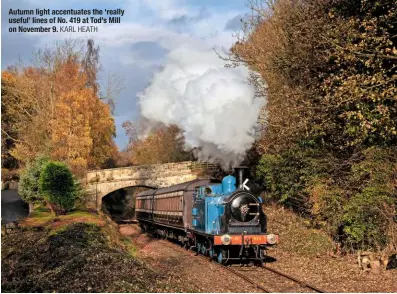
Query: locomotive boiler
point(224, 221)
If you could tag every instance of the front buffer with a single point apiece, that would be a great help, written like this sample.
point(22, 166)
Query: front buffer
point(243, 247)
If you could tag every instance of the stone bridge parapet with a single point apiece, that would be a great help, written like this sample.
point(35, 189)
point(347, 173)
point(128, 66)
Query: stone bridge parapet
point(99, 183)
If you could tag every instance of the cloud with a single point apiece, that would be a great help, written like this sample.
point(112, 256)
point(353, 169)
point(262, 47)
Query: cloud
point(147, 53)
point(234, 24)
point(134, 49)
point(168, 9)
point(186, 20)
point(18, 48)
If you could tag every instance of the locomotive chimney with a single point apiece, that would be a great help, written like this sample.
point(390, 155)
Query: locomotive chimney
point(240, 172)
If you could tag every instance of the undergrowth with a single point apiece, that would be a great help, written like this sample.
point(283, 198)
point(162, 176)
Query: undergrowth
point(353, 201)
point(296, 234)
point(73, 258)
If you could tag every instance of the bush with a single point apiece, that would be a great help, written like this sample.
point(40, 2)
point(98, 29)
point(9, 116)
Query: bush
point(365, 221)
point(28, 187)
point(57, 186)
point(79, 194)
point(327, 205)
point(285, 177)
point(356, 199)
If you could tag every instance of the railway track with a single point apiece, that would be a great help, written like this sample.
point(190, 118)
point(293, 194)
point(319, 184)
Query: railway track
point(302, 284)
point(237, 273)
point(264, 278)
point(289, 285)
point(280, 282)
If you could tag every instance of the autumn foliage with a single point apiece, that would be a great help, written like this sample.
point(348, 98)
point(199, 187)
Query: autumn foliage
point(160, 145)
point(329, 72)
point(51, 108)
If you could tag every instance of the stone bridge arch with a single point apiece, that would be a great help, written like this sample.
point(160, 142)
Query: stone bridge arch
point(100, 183)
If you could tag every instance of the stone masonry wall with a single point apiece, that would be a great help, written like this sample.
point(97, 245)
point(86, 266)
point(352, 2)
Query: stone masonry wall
point(99, 183)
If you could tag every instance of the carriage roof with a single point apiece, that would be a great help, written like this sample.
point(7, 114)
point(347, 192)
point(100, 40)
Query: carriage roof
point(187, 186)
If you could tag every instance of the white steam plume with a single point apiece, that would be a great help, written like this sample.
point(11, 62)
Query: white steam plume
point(213, 105)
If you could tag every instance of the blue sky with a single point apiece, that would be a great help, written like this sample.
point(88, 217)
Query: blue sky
point(136, 48)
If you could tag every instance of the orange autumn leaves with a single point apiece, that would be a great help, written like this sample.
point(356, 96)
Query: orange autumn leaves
point(163, 144)
point(51, 110)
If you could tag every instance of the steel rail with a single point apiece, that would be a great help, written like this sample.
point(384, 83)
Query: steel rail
point(244, 277)
point(252, 282)
point(207, 259)
point(303, 284)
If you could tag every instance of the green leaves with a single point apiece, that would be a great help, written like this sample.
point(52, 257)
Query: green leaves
point(361, 87)
point(57, 186)
point(365, 220)
point(356, 197)
point(28, 187)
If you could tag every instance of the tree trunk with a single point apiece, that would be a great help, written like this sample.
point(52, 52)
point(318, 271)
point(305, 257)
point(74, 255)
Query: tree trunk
point(31, 208)
point(51, 207)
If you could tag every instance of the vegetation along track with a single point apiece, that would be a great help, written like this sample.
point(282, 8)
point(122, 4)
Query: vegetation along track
point(264, 278)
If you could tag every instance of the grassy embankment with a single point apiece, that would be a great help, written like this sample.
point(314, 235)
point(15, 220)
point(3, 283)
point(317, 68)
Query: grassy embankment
point(77, 252)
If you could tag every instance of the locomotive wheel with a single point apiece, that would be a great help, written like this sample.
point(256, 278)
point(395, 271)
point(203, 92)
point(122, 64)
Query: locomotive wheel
point(211, 251)
point(221, 256)
point(198, 248)
point(203, 250)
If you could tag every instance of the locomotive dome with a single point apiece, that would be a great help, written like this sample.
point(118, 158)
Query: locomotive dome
point(228, 184)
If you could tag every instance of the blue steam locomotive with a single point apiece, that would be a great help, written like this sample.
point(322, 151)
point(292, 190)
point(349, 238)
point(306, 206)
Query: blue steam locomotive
point(224, 221)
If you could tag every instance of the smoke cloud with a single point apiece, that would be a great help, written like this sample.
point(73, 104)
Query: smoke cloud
point(213, 105)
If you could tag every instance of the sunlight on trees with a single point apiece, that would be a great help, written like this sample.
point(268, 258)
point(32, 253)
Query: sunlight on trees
point(160, 145)
point(54, 108)
point(329, 72)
